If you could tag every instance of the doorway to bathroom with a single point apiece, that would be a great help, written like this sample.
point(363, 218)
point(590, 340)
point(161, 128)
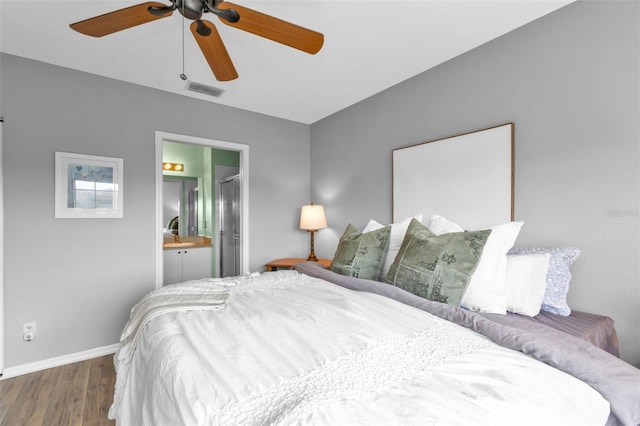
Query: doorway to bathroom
point(206, 162)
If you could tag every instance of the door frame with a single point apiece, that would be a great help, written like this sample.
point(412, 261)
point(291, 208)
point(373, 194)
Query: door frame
point(160, 138)
point(1, 251)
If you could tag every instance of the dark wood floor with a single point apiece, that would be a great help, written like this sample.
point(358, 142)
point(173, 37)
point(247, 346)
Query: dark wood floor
point(74, 394)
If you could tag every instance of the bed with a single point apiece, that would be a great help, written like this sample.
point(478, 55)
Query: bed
point(413, 324)
point(581, 344)
point(292, 347)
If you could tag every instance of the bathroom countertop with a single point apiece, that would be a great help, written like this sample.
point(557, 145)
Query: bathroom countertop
point(186, 242)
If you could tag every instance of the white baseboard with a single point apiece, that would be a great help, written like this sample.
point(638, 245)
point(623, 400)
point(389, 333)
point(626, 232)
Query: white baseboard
point(32, 367)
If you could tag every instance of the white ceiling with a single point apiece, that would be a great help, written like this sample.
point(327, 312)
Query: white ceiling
point(369, 46)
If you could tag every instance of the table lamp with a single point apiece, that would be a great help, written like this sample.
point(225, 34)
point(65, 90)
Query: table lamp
point(312, 218)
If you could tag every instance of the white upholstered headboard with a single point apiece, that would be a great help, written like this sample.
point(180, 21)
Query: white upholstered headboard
point(467, 178)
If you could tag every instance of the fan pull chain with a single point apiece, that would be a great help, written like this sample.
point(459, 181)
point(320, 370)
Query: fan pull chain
point(183, 76)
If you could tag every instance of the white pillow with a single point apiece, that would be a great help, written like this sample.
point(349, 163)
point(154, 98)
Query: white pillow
point(486, 290)
point(398, 230)
point(526, 283)
point(439, 225)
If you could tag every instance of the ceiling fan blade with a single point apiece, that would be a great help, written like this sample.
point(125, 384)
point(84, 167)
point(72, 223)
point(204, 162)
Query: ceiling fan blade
point(274, 29)
point(122, 19)
point(213, 50)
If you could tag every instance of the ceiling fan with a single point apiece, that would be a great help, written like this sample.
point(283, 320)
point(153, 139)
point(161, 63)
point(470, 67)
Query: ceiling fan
point(205, 32)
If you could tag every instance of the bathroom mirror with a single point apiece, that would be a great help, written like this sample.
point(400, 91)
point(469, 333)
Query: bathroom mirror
point(180, 205)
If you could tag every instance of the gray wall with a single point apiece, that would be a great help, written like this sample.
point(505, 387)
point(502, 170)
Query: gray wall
point(78, 278)
point(570, 83)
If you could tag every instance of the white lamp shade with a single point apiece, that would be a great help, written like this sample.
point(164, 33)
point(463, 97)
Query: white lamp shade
point(312, 217)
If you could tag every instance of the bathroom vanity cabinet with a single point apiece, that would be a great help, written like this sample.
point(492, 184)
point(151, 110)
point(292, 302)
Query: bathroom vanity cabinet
point(187, 263)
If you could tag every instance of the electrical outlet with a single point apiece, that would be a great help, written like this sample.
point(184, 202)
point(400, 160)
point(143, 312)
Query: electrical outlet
point(29, 331)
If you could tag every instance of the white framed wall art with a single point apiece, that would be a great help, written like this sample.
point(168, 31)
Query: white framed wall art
point(88, 186)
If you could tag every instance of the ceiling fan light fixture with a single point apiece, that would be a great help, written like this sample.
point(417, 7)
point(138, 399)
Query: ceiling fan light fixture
point(190, 9)
point(204, 32)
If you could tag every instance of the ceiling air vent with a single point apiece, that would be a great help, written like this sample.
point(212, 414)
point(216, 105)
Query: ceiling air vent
point(203, 88)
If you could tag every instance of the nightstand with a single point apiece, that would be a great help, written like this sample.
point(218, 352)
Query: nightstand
point(288, 263)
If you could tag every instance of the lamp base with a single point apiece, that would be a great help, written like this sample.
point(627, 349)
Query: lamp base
point(312, 256)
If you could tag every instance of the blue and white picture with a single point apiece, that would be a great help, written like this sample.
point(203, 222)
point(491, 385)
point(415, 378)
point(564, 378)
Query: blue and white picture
point(88, 186)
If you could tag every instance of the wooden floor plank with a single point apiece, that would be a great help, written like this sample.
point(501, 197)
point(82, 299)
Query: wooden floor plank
point(46, 386)
point(94, 389)
point(107, 387)
point(57, 402)
point(73, 408)
point(24, 404)
point(74, 394)
point(9, 391)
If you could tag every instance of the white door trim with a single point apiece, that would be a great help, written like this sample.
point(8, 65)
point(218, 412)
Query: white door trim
point(244, 173)
point(1, 252)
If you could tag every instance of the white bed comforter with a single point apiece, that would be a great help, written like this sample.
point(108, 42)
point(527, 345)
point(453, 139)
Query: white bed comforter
point(288, 349)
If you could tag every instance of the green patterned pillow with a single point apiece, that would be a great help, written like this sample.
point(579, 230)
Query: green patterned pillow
point(437, 267)
point(361, 255)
